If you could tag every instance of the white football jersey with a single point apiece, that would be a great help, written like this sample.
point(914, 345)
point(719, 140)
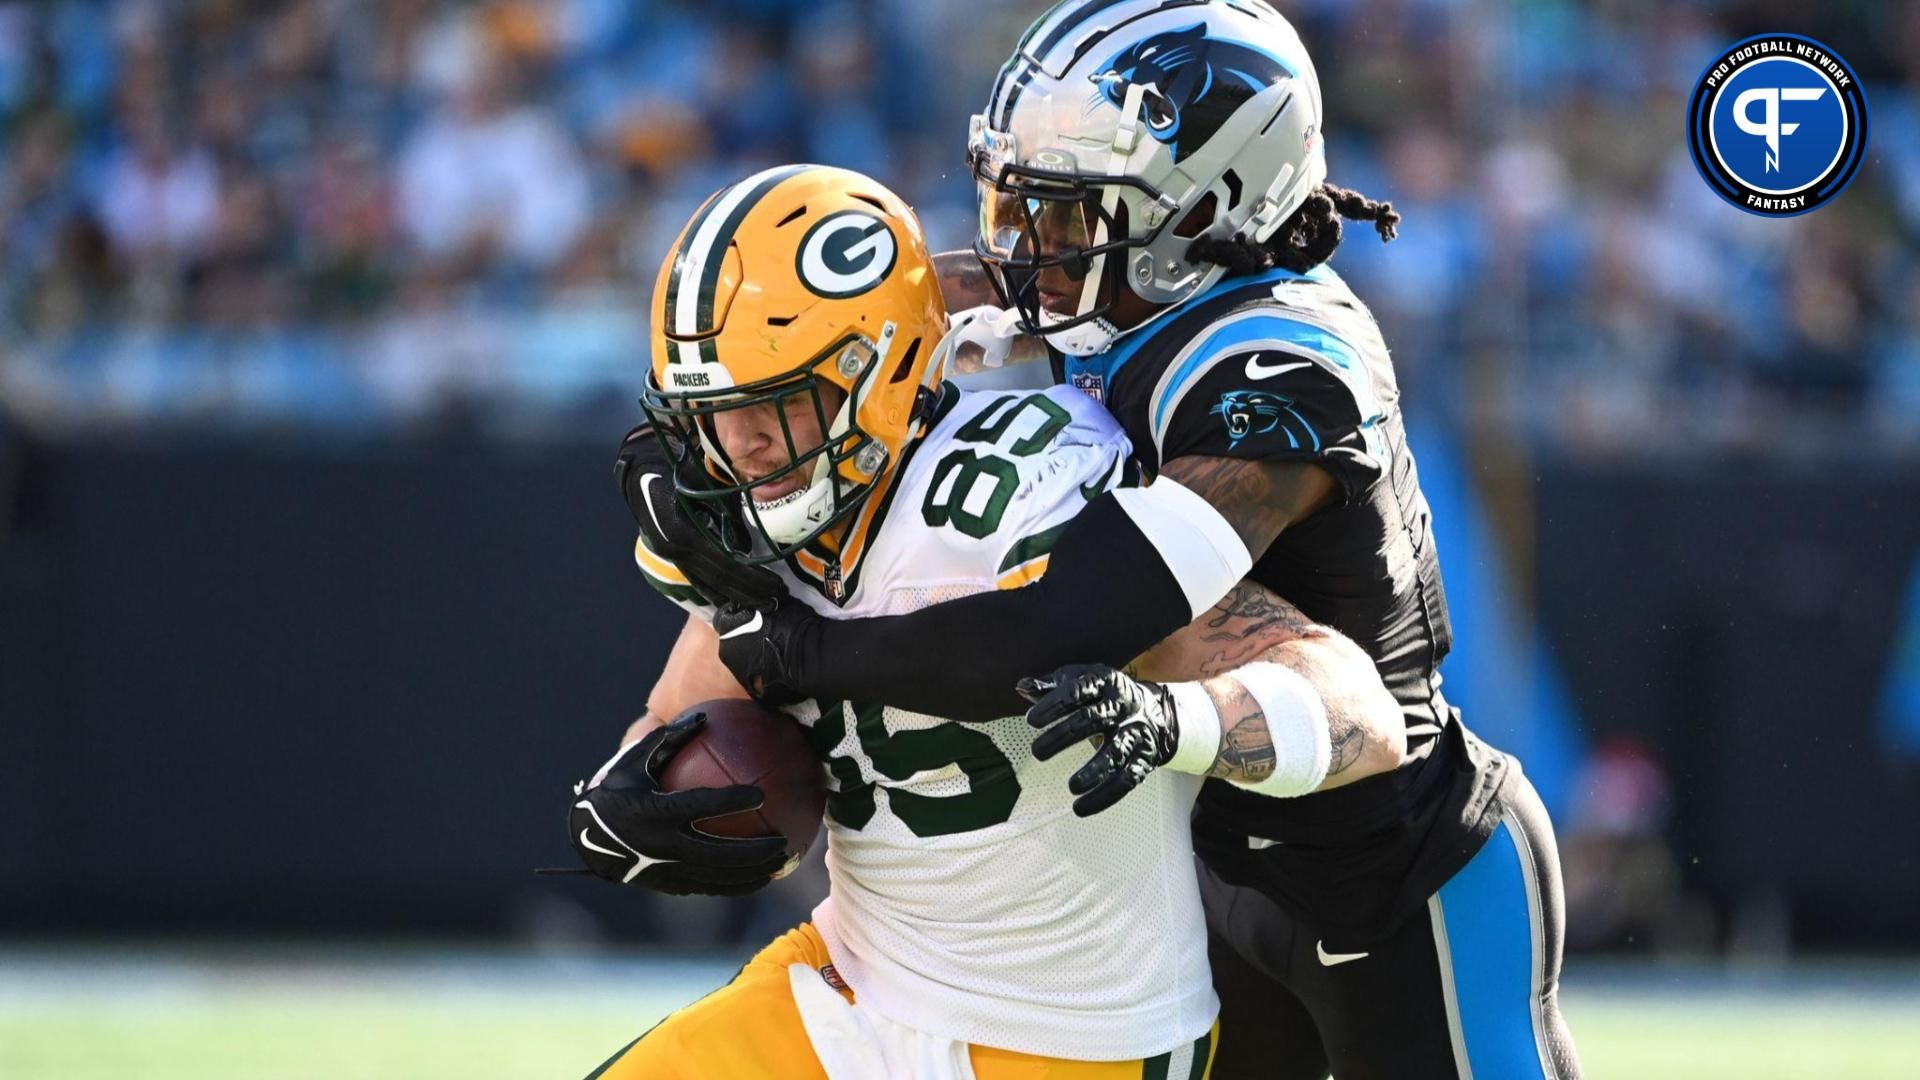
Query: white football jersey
point(967, 899)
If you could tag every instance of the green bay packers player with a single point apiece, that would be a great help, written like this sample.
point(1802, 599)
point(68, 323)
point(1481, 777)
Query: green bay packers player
point(975, 927)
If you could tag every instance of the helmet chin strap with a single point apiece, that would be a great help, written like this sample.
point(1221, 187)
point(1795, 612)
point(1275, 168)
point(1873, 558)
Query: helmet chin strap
point(1086, 339)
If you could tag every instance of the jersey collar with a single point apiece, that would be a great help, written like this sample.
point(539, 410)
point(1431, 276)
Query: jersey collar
point(835, 574)
point(1096, 373)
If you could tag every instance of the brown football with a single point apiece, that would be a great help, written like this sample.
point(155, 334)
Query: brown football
point(748, 743)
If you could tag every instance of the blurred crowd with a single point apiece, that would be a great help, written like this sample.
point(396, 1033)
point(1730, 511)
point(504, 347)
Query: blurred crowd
point(371, 216)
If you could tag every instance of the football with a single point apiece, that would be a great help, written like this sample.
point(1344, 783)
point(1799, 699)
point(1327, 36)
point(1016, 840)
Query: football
point(747, 743)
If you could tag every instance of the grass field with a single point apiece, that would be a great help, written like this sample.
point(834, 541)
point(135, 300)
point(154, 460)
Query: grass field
point(424, 1015)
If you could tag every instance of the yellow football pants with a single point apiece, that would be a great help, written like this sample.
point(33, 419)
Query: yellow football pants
point(750, 1029)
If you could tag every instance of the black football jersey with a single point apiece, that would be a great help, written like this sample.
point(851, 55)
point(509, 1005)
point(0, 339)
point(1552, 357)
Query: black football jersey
point(1286, 366)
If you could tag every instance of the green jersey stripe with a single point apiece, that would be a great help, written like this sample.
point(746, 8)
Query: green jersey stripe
point(1029, 548)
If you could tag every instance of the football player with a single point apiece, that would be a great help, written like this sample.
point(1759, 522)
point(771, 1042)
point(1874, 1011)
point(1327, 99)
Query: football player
point(803, 438)
point(1153, 201)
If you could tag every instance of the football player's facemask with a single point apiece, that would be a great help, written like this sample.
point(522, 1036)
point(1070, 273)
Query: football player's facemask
point(797, 487)
point(1056, 241)
point(796, 355)
point(1117, 132)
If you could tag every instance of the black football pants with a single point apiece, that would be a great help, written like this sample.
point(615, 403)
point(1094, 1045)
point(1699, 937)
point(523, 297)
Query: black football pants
point(1467, 989)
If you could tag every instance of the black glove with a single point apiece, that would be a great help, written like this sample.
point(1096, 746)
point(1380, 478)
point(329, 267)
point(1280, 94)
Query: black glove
point(629, 831)
point(1080, 701)
point(646, 479)
point(766, 647)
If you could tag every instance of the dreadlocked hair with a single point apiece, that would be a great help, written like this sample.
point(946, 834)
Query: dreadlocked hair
point(1305, 240)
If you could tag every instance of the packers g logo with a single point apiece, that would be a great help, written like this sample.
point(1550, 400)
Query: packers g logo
point(845, 254)
point(1777, 125)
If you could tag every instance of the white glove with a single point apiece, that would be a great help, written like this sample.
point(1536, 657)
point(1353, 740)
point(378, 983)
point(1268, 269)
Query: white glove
point(986, 328)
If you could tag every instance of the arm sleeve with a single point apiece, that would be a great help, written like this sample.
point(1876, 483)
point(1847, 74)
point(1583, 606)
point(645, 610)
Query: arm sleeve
point(1134, 566)
point(668, 581)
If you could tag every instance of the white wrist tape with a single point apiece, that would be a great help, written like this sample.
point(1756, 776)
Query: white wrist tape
point(1297, 722)
point(1197, 728)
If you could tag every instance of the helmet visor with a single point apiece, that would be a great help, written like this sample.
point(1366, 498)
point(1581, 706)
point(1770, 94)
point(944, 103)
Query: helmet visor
point(1043, 237)
point(1027, 226)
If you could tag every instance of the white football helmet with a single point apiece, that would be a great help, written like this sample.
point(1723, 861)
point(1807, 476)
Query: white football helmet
point(1111, 124)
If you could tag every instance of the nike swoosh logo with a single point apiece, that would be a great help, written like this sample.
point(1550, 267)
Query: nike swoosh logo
point(646, 492)
point(1257, 370)
point(640, 862)
point(745, 627)
point(1330, 959)
point(1098, 488)
point(588, 843)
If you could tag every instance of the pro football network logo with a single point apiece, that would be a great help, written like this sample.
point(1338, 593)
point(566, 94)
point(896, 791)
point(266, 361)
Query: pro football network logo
point(1777, 125)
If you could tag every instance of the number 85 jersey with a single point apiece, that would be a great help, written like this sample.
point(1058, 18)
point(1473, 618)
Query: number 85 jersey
point(967, 899)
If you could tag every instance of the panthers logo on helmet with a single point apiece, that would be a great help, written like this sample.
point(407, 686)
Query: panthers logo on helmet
point(1193, 82)
point(1248, 413)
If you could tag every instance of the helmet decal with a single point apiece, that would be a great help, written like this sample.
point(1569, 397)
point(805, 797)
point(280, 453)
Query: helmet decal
point(846, 254)
point(1193, 82)
point(687, 298)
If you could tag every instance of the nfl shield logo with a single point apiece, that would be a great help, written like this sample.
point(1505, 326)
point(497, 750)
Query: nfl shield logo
point(836, 584)
point(1090, 384)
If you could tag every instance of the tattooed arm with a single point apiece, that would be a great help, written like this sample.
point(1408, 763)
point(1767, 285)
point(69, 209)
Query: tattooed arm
point(1198, 704)
point(961, 659)
point(1258, 498)
point(963, 281)
point(1251, 623)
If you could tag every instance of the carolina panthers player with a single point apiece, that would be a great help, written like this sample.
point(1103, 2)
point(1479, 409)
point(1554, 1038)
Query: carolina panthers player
point(807, 441)
point(1153, 202)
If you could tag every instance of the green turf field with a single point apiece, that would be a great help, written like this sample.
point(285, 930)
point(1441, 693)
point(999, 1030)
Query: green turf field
point(427, 1015)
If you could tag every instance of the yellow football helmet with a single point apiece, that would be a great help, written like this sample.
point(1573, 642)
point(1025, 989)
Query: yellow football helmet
point(793, 279)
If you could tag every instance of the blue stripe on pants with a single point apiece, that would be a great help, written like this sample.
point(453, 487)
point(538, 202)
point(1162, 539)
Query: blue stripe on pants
point(1491, 929)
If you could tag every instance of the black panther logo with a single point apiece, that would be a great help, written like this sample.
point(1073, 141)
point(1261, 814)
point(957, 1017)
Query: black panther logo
point(1248, 413)
point(1193, 82)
